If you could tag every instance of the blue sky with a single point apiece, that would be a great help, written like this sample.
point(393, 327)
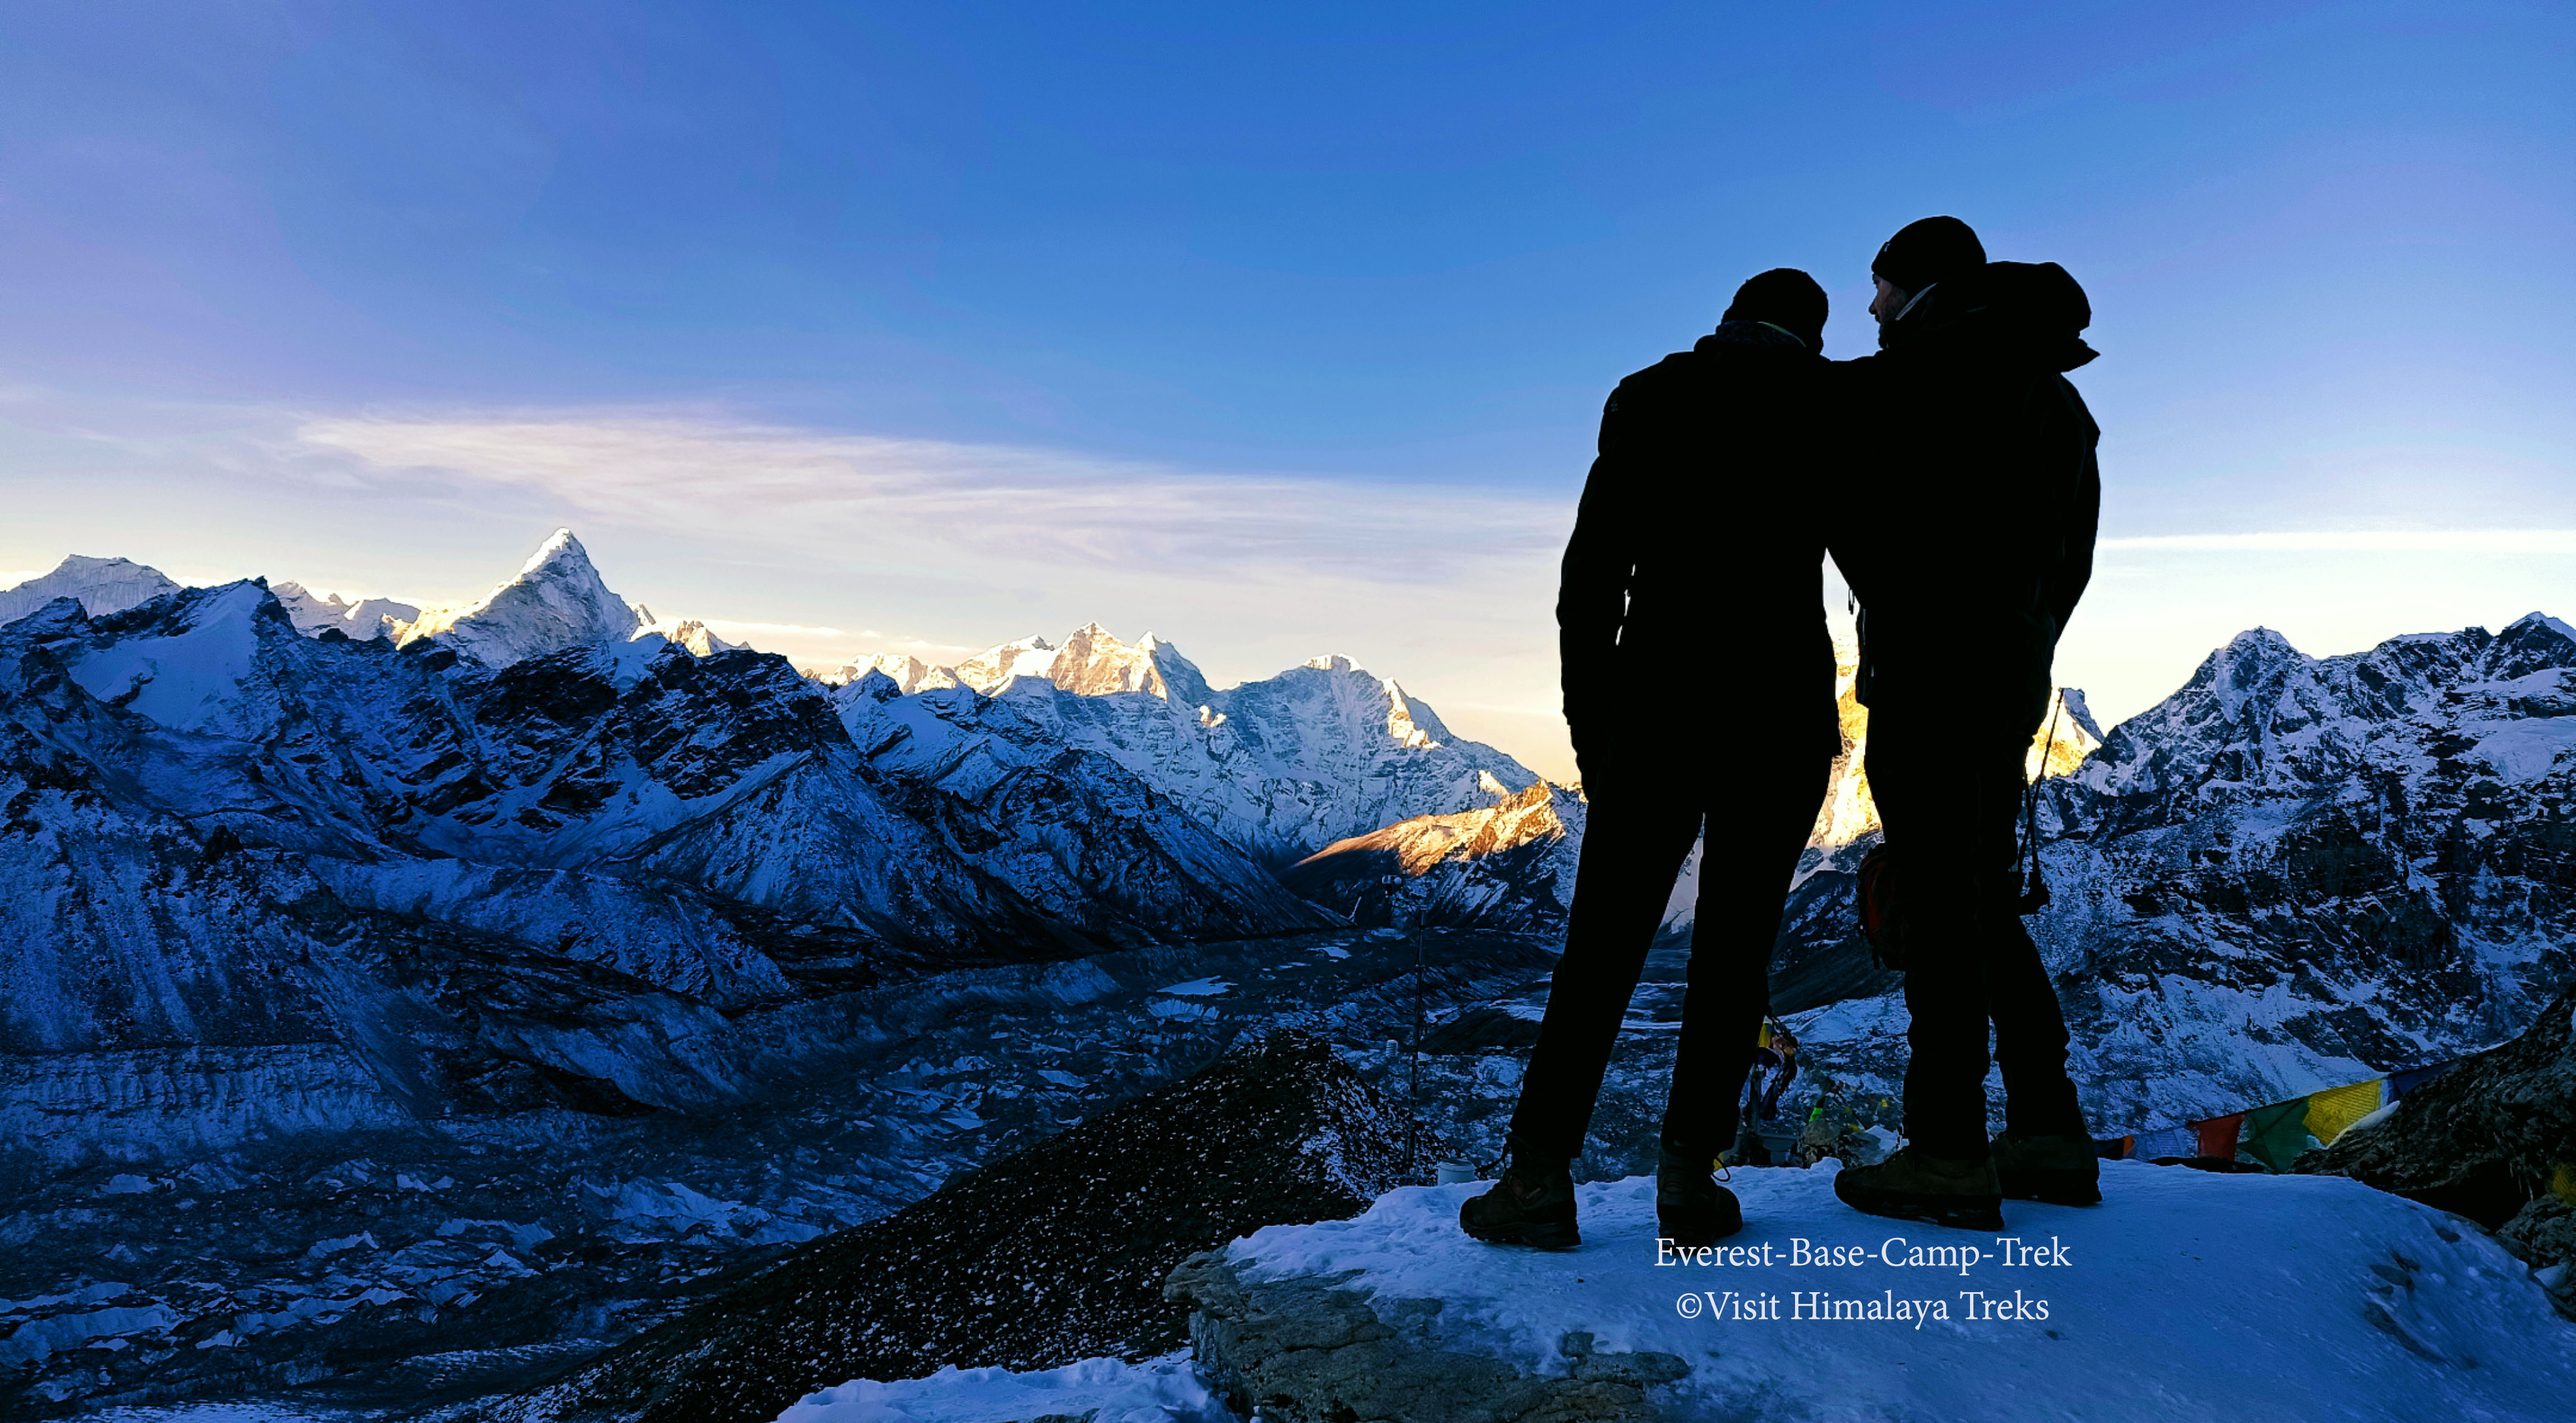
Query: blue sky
point(1276, 330)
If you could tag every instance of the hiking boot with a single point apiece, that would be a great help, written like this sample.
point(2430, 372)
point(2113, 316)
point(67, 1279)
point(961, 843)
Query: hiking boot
point(1529, 1206)
point(1690, 1207)
point(1912, 1186)
point(2061, 1170)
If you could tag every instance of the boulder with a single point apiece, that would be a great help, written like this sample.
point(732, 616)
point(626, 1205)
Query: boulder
point(2493, 1139)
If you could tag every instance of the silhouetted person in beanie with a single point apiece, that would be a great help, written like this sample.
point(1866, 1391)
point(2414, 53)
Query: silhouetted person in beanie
point(1968, 537)
point(1701, 527)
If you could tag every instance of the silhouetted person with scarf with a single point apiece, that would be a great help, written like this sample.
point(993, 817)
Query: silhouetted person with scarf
point(1967, 537)
point(1693, 583)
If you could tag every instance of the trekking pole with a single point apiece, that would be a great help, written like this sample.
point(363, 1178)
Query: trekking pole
point(1413, 1087)
point(2035, 890)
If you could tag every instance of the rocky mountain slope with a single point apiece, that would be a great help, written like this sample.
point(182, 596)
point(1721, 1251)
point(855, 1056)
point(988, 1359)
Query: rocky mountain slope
point(2294, 873)
point(1045, 1257)
point(1508, 866)
point(386, 1264)
point(494, 867)
point(2493, 1139)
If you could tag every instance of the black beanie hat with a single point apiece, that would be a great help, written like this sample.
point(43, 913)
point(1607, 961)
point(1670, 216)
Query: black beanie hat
point(1788, 299)
point(1925, 251)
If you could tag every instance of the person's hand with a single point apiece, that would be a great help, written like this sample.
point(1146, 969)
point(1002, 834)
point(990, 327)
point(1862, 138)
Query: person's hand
point(1599, 765)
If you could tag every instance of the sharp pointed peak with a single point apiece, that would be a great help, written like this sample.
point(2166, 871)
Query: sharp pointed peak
point(2259, 637)
point(559, 547)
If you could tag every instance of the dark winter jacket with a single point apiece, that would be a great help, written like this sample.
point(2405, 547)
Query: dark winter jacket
point(1694, 579)
point(1972, 491)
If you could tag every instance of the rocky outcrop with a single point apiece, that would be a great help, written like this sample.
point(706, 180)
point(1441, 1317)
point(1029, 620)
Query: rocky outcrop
point(1304, 1351)
point(1509, 866)
point(1054, 1254)
point(2492, 1138)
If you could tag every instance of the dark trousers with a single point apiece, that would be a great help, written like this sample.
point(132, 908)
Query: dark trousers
point(1634, 843)
point(1949, 791)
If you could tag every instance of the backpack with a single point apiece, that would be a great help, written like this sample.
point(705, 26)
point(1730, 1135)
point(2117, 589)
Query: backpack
point(1879, 920)
point(1882, 920)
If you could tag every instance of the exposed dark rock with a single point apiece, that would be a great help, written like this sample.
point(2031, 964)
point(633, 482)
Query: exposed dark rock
point(2493, 1139)
point(1303, 1351)
point(1051, 1255)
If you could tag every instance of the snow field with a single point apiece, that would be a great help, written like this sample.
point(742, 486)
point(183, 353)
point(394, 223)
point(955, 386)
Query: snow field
point(2183, 1294)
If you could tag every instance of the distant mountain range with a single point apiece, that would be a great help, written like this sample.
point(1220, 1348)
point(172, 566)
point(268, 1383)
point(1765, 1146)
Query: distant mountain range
point(296, 890)
point(536, 849)
point(2292, 870)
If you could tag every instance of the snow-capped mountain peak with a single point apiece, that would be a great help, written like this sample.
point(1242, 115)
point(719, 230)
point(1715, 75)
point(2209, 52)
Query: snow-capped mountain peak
point(103, 586)
point(557, 601)
point(988, 670)
point(361, 618)
point(684, 632)
point(1282, 766)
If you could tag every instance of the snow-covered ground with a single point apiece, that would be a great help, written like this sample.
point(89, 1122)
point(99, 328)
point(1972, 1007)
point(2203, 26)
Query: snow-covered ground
point(2182, 1295)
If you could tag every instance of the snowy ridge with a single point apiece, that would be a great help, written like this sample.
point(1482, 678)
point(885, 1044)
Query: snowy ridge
point(1508, 866)
point(688, 633)
point(1282, 766)
point(361, 618)
point(100, 585)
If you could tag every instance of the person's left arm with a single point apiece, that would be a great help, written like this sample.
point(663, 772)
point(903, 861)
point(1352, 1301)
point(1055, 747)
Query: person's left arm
point(2064, 583)
point(1595, 579)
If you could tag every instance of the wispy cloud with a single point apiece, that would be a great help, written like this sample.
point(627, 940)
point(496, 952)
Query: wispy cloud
point(2487, 541)
point(932, 503)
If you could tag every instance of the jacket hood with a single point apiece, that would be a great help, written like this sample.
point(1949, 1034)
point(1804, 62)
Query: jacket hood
point(2019, 311)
